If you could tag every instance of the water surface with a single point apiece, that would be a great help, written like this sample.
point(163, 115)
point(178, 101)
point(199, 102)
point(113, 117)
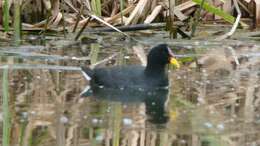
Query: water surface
point(212, 100)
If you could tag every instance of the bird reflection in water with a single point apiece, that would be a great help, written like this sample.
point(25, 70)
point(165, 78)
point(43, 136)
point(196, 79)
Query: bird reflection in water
point(153, 98)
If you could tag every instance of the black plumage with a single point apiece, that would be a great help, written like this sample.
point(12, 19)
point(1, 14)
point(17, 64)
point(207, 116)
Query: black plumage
point(136, 76)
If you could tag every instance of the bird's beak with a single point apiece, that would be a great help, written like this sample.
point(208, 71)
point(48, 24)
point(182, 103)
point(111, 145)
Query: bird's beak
point(174, 62)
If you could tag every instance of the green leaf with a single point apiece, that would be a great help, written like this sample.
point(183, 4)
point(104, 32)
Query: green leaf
point(218, 12)
point(96, 6)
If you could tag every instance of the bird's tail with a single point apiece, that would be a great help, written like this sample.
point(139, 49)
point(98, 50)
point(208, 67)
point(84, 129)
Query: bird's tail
point(87, 73)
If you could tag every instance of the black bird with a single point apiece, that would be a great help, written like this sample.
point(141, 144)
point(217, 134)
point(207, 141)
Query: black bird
point(135, 76)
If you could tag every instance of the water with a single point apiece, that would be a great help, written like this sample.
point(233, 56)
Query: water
point(213, 102)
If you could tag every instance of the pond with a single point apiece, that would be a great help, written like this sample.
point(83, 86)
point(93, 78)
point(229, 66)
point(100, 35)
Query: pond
point(212, 100)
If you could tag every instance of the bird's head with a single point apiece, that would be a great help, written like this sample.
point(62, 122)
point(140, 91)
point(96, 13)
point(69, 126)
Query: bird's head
point(162, 55)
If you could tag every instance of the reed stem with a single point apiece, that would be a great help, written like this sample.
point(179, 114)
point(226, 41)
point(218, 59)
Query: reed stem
point(17, 22)
point(6, 113)
point(6, 15)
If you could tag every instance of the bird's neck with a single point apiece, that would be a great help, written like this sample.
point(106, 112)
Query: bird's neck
point(155, 69)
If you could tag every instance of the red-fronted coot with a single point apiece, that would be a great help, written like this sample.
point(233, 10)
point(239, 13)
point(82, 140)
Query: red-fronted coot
point(135, 76)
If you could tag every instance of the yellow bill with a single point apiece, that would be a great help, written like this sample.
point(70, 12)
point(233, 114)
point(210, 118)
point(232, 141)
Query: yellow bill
point(174, 62)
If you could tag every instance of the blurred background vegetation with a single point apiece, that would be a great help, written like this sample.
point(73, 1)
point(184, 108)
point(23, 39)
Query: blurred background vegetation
point(55, 14)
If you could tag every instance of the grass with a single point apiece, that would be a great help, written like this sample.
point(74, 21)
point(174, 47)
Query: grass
point(122, 3)
point(17, 22)
point(96, 6)
point(117, 114)
point(6, 113)
point(22, 133)
point(6, 15)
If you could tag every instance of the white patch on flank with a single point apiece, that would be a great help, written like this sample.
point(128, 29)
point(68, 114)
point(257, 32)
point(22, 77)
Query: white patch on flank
point(85, 90)
point(87, 77)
